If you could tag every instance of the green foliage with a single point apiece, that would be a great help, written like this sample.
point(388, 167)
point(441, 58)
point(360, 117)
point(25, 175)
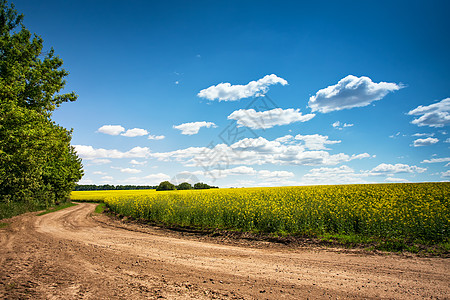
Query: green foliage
point(38, 165)
point(184, 186)
point(100, 208)
point(201, 186)
point(165, 186)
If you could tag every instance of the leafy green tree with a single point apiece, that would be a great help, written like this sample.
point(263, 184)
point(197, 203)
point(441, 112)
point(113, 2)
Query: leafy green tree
point(165, 186)
point(37, 162)
point(184, 186)
point(201, 186)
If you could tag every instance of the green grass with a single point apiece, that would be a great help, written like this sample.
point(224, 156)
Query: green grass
point(100, 208)
point(56, 208)
point(3, 225)
point(9, 210)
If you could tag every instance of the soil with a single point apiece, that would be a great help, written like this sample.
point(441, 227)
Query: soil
point(77, 254)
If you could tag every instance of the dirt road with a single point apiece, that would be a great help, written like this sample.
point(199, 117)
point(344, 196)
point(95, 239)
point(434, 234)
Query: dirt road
point(73, 254)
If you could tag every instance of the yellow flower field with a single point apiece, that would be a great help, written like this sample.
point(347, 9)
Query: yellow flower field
point(416, 211)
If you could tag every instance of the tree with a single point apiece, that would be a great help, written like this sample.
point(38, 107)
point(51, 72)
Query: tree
point(165, 186)
point(37, 162)
point(184, 186)
point(201, 186)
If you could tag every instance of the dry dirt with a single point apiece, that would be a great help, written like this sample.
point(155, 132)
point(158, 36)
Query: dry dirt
point(75, 254)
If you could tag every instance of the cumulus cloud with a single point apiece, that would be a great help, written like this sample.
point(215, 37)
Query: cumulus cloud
point(445, 174)
point(100, 161)
point(117, 129)
point(151, 179)
point(111, 129)
point(193, 127)
point(130, 170)
point(228, 92)
point(338, 175)
point(315, 141)
point(425, 142)
point(91, 153)
point(237, 171)
point(156, 137)
point(384, 169)
point(275, 174)
point(135, 162)
point(433, 115)
point(269, 118)
point(257, 151)
point(436, 160)
point(350, 92)
point(135, 132)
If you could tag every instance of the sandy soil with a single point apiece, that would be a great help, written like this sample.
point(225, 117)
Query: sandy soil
point(75, 254)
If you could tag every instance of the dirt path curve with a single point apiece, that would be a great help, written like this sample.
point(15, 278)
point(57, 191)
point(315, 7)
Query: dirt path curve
point(71, 254)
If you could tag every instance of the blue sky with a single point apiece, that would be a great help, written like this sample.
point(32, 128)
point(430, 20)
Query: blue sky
point(320, 92)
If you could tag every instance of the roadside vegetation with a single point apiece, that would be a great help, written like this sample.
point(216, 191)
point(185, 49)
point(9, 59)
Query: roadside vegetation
point(392, 217)
point(38, 166)
point(57, 207)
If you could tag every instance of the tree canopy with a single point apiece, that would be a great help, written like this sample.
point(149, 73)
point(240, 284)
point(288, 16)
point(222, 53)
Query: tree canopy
point(37, 162)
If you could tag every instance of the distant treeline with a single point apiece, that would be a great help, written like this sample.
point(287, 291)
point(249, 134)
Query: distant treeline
point(93, 187)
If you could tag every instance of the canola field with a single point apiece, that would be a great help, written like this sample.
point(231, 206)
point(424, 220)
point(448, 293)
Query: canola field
point(411, 212)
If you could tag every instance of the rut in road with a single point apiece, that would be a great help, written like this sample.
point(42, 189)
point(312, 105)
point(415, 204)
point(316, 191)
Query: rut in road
point(75, 254)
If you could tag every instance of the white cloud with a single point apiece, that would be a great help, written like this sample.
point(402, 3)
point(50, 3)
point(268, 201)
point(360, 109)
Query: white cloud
point(135, 162)
point(100, 161)
point(151, 179)
point(447, 140)
point(436, 160)
point(156, 178)
point(89, 152)
point(99, 173)
point(340, 126)
point(425, 142)
point(193, 127)
point(130, 170)
point(446, 174)
point(108, 178)
point(399, 180)
point(384, 169)
point(156, 137)
point(268, 119)
point(256, 151)
point(111, 129)
point(423, 134)
point(228, 92)
point(433, 115)
point(315, 141)
point(350, 92)
point(338, 175)
point(239, 171)
point(275, 174)
point(135, 132)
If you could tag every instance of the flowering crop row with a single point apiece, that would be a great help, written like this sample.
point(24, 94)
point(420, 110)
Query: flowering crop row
point(416, 211)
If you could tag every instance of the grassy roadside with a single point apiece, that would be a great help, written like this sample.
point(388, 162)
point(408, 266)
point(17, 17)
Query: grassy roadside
point(100, 208)
point(56, 208)
point(9, 210)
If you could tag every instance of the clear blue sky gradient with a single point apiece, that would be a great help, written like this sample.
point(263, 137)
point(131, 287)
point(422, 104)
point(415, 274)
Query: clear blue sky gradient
point(141, 64)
